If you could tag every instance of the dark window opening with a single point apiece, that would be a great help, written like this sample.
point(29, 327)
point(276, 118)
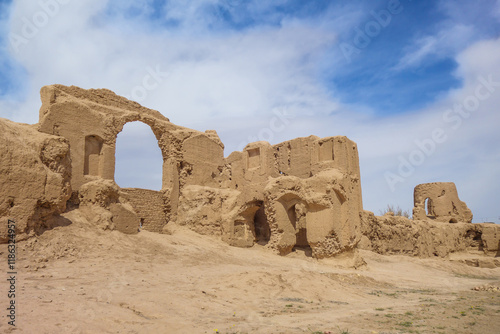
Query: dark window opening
point(296, 214)
point(429, 208)
point(262, 228)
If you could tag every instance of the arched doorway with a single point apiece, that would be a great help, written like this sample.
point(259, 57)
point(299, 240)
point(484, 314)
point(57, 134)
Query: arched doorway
point(138, 158)
point(291, 217)
point(138, 172)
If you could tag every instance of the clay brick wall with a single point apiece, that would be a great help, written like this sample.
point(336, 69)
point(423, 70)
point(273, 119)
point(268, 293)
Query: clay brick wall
point(149, 206)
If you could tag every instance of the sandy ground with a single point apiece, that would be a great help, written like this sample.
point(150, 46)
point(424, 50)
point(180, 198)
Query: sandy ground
point(76, 279)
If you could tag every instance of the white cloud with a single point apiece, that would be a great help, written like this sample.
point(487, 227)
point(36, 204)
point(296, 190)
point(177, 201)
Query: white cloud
point(465, 23)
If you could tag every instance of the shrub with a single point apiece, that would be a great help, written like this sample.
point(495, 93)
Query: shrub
point(397, 211)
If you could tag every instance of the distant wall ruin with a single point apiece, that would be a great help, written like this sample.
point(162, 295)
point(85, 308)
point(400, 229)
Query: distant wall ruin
point(439, 201)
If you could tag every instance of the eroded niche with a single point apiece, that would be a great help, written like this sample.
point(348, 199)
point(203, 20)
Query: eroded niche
point(93, 156)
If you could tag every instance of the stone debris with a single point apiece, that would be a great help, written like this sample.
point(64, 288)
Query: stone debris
point(489, 288)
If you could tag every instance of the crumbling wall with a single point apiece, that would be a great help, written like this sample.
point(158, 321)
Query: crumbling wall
point(318, 212)
point(35, 173)
point(91, 120)
point(203, 209)
point(391, 234)
point(303, 193)
point(213, 195)
point(439, 201)
point(425, 235)
point(149, 205)
point(490, 238)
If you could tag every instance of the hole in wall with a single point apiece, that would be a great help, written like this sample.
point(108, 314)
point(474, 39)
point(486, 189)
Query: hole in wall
point(139, 161)
point(301, 243)
point(429, 208)
point(292, 215)
point(262, 228)
point(475, 239)
point(307, 250)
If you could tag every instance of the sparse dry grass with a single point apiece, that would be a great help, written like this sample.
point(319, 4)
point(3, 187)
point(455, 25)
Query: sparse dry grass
point(396, 209)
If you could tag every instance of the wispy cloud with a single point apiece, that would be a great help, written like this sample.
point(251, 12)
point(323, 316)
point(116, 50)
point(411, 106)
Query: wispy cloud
point(429, 49)
point(464, 23)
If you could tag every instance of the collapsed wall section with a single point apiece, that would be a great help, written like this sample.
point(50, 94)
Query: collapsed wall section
point(35, 172)
point(429, 232)
point(102, 206)
point(390, 234)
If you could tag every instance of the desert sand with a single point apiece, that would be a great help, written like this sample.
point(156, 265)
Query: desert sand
point(79, 279)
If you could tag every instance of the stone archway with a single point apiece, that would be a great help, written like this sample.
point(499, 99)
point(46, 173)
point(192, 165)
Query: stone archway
point(291, 212)
point(244, 230)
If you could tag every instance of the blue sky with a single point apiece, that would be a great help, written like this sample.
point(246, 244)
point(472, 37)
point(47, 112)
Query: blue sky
point(388, 74)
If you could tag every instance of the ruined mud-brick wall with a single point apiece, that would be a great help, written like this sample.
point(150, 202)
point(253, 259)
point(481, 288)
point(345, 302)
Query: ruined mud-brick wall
point(194, 168)
point(35, 173)
point(304, 192)
point(91, 119)
point(439, 201)
point(441, 225)
point(149, 206)
point(390, 234)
